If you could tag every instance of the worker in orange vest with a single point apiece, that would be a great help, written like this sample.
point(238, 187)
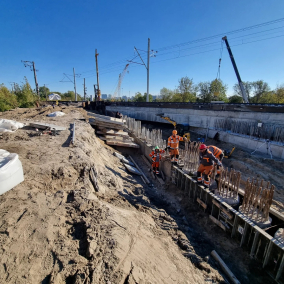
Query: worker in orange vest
point(156, 158)
point(207, 160)
point(173, 143)
point(218, 153)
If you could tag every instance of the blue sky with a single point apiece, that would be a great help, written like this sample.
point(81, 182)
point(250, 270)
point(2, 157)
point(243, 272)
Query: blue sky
point(59, 35)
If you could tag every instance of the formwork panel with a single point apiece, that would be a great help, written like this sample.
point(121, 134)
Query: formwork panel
point(273, 258)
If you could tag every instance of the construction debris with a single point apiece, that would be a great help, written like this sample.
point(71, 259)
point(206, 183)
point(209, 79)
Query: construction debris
point(133, 170)
point(7, 125)
point(43, 125)
point(145, 178)
point(123, 159)
point(111, 130)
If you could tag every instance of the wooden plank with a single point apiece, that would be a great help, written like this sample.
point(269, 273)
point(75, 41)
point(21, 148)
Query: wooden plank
point(201, 203)
point(119, 138)
point(122, 144)
point(107, 121)
point(105, 117)
point(225, 267)
point(105, 125)
point(93, 175)
point(217, 222)
point(112, 132)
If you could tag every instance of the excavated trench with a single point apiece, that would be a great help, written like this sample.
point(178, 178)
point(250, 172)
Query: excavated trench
point(191, 229)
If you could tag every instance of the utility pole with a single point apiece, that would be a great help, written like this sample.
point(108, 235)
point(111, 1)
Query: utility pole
point(148, 69)
point(45, 92)
point(31, 64)
point(98, 84)
point(75, 84)
point(95, 92)
point(84, 90)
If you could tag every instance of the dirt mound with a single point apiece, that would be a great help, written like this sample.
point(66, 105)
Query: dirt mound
point(57, 228)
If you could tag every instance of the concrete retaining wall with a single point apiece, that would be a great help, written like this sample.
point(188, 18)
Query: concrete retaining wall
point(204, 120)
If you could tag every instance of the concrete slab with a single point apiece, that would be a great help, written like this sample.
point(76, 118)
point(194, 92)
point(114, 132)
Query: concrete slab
point(44, 125)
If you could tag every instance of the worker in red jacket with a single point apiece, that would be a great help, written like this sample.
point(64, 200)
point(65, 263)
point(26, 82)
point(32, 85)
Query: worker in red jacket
point(156, 158)
point(173, 144)
point(207, 160)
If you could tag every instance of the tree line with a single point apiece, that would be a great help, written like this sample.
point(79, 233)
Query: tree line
point(215, 90)
point(22, 95)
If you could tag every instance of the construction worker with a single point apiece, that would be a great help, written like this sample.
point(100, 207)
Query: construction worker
point(173, 143)
point(218, 153)
point(156, 158)
point(207, 160)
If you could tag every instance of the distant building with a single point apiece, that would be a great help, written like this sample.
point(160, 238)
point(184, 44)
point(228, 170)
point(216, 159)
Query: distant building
point(108, 97)
point(104, 96)
point(125, 98)
point(154, 97)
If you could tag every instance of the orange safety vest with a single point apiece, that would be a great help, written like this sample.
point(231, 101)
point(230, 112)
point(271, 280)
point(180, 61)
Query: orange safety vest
point(156, 156)
point(215, 150)
point(173, 142)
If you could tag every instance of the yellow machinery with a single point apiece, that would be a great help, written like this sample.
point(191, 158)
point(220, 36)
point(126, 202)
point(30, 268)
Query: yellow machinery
point(227, 154)
point(181, 128)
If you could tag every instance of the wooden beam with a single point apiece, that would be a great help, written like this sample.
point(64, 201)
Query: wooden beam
point(225, 267)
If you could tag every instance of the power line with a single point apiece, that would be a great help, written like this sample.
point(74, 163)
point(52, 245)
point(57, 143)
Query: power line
point(116, 66)
point(227, 33)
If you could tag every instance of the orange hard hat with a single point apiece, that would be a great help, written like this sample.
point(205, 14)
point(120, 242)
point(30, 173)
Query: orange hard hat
point(175, 132)
point(202, 147)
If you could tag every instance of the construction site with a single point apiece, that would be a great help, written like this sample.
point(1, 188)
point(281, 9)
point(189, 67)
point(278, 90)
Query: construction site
point(89, 208)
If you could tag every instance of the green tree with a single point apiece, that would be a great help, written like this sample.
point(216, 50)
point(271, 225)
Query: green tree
point(248, 89)
point(138, 97)
point(279, 94)
point(68, 96)
point(142, 98)
point(186, 91)
point(145, 97)
point(204, 92)
point(44, 92)
point(235, 99)
point(8, 100)
point(166, 95)
point(25, 95)
point(260, 89)
point(212, 91)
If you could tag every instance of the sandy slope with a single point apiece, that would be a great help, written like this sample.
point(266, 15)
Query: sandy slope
point(55, 228)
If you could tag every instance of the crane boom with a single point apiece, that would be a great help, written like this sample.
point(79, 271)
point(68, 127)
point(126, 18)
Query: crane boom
point(244, 95)
point(121, 76)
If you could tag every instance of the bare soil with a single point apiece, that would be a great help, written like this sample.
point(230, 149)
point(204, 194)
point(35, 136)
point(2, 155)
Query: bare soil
point(55, 227)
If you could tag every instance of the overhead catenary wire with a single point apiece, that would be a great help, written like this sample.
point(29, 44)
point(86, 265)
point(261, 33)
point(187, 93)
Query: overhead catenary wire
point(117, 65)
point(222, 34)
